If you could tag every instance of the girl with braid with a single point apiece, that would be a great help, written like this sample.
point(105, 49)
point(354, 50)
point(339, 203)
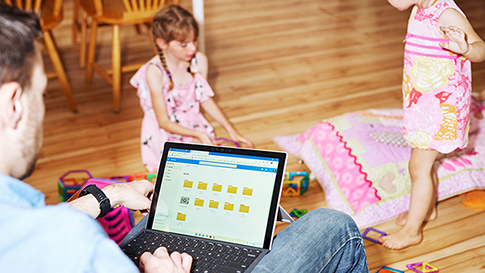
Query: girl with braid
point(172, 87)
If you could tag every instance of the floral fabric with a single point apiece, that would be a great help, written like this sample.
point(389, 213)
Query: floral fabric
point(436, 85)
point(183, 108)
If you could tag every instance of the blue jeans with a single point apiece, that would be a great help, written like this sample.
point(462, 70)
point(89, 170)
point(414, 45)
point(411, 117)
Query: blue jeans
point(323, 240)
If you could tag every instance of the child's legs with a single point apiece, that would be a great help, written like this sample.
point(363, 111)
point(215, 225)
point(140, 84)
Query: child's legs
point(423, 187)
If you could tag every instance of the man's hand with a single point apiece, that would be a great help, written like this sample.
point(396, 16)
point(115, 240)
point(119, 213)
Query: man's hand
point(161, 262)
point(132, 195)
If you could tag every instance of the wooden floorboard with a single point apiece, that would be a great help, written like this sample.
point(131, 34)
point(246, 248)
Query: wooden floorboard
point(277, 68)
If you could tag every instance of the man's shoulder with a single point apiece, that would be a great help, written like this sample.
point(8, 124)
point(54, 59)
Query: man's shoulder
point(51, 238)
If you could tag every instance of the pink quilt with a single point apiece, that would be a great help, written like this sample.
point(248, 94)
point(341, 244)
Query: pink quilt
point(361, 161)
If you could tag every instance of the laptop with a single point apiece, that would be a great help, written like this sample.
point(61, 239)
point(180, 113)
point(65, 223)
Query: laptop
point(218, 204)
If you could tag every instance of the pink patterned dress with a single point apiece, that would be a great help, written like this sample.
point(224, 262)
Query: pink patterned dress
point(436, 85)
point(183, 107)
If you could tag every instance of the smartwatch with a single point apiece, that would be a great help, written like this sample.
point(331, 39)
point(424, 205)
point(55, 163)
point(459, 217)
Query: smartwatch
point(104, 204)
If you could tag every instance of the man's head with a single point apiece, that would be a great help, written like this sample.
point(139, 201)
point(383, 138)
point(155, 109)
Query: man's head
point(22, 85)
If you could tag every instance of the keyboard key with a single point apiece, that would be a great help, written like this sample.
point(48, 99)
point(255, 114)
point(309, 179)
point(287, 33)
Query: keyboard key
point(230, 270)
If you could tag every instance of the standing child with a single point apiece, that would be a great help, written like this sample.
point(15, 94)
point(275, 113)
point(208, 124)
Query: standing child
point(440, 44)
point(173, 86)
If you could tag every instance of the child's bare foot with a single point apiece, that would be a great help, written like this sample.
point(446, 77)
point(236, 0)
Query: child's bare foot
point(401, 240)
point(401, 219)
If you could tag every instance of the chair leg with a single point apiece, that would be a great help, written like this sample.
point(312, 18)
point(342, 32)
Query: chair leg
point(75, 21)
point(61, 74)
point(91, 51)
point(116, 63)
point(84, 33)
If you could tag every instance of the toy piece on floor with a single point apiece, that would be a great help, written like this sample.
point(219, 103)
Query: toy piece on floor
point(295, 184)
point(386, 269)
point(72, 181)
point(475, 199)
point(298, 212)
point(365, 236)
point(425, 268)
point(227, 140)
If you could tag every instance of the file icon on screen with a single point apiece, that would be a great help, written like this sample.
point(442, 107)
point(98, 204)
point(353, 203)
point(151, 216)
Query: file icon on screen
point(216, 187)
point(199, 202)
point(181, 216)
point(202, 186)
point(244, 208)
point(188, 184)
point(231, 189)
point(228, 206)
point(213, 204)
point(247, 191)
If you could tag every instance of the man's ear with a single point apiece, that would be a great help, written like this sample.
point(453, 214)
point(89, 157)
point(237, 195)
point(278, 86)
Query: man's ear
point(11, 108)
point(161, 43)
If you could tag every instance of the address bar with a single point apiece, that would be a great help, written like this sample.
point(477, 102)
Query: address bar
point(217, 164)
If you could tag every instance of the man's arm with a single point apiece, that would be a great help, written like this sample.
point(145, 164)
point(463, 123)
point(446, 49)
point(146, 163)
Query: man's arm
point(132, 195)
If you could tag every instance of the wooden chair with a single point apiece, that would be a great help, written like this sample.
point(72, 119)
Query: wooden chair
point(50, 13)
point(116, 13)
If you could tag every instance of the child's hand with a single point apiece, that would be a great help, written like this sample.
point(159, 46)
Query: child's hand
point(205, 139)
point(457, 37)
point(240, 139)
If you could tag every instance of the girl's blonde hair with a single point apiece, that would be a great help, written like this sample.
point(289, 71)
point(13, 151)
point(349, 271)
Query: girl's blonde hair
point(173, 23)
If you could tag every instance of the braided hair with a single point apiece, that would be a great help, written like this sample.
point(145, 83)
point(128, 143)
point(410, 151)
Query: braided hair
point(173, 23)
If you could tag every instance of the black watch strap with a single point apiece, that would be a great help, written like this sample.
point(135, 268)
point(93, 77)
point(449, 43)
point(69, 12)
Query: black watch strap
point(104, 204)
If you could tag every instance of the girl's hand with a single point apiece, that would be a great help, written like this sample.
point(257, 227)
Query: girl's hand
point(205, 139)
point(240, 139)
point(457, 37)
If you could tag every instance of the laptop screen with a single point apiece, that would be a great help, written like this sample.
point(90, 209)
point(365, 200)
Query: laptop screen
point(224, 194)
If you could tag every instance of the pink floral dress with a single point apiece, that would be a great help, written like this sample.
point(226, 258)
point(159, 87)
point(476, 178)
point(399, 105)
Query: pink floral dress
point(183, 107)
point(436, 85)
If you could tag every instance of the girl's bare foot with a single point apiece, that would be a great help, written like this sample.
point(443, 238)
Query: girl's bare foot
point(401, 219)
point(401, 240)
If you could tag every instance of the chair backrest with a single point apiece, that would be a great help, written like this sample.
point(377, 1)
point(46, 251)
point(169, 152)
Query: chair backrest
point(134, 9)
point(35, 5)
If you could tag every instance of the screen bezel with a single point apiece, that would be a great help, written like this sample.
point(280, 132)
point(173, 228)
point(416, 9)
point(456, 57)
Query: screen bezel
point(275, 199)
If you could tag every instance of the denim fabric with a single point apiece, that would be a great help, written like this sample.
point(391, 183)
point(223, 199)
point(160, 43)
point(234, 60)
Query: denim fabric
point(324, 240)
point(39, 238)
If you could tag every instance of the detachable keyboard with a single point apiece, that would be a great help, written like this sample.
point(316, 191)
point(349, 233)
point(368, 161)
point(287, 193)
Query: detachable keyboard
point(208, 256)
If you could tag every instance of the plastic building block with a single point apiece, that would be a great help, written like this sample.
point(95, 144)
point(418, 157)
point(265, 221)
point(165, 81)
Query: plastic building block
point(142, 176)
point(475, 200)
point(152, 177)
point(70, 182)
point(292, 187)
point(298, 212)
point(386, 269)
point(425, 267)
point(364, 235)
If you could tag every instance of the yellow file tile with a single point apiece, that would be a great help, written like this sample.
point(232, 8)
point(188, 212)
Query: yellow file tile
point(181, 216)
point(228, 206)
point(231, 189)
point(202, 186)
point(247, 191)
point(188, 184)
point(244, 208)
point(199, 202)
point(213, 204)
point(216, 187)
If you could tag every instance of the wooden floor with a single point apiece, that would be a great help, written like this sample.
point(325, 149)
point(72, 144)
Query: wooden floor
point(277, 67)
